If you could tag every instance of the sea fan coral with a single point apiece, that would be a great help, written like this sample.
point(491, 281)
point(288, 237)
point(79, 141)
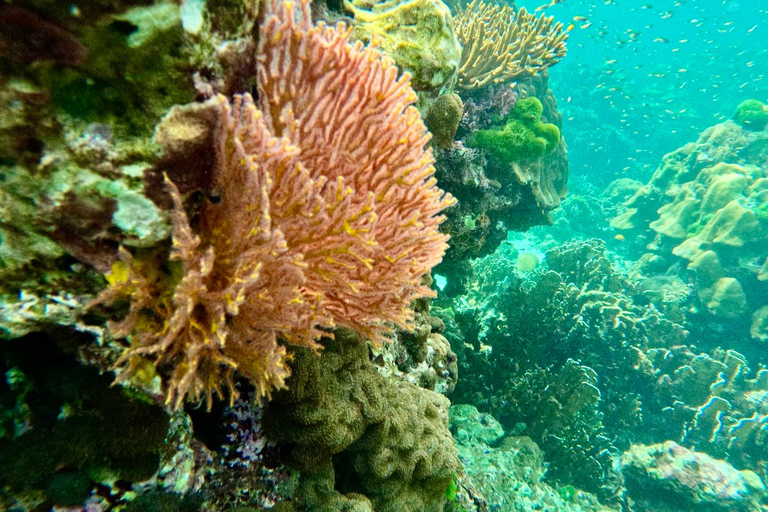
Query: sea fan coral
point(324, 212)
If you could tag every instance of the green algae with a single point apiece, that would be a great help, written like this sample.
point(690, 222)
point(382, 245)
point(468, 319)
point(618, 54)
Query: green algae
point(136, 70)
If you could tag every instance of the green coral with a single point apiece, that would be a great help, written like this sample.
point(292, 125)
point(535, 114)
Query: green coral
point(359, 439)
point(524, 136)
point(752, 114)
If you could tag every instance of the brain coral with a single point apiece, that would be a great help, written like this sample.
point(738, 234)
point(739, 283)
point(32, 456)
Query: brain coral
point(323, 211)
point(385, 439)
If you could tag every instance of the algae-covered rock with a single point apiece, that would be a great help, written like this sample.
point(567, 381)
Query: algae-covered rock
point(344, 424)
point(69, 429)
point(670, 477)
point(417, 34)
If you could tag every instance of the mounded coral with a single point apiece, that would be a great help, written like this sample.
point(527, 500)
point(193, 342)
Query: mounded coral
point(752, 114)
point(443, 119)
point(417, 34)
point(356, 436)
point(706, 205)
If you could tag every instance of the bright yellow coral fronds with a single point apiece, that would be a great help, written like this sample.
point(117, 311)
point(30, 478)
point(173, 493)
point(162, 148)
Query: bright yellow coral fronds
point(501, 45)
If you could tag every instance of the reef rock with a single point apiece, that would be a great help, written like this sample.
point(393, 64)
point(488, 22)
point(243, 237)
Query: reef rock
point(418, 35)
point(670, 477)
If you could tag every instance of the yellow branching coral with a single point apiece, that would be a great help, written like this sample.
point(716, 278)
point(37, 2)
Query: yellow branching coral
point(501, 45)
point(325, 213)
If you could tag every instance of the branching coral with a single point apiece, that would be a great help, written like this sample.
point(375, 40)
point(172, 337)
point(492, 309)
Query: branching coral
point(324, 212)
point(501, 45)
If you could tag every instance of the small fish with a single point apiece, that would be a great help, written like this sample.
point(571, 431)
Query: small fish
point(661, 40)
point(580, 18)
point(546, 6)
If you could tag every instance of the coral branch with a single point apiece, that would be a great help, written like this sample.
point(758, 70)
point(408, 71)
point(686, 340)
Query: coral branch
point(501, 45)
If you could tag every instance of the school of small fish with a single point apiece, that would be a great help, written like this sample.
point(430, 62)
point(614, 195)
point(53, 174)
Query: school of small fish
point(655, 75)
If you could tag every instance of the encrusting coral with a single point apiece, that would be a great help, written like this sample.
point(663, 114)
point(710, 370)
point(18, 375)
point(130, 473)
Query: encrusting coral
point(501, 45)
point(323, 211)
point(418, 34)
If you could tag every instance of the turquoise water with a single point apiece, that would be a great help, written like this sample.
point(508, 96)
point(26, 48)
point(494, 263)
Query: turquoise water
point(680, 66)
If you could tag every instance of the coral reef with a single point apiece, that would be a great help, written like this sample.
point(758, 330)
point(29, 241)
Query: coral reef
point(243, 241)
point(713, 402)
point(359, 437)
point(328, 230)
point(493, 197)
point(501, 45)
point(670, 477)
point(555, 356)
point(704, 205)
point(417, 34)
point(508, 471)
